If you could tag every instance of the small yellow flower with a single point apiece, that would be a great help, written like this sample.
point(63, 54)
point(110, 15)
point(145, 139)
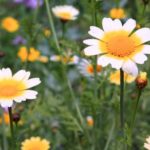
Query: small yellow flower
point(138, 26)
point(31, 56)
point(115, 77)
point(35, 143)
point(6, 118)
point(43, 59)
point(117, 13)
point(10, 24)
point(47, 32)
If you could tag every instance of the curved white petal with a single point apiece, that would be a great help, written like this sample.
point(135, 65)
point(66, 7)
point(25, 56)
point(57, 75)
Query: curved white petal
point(116, 63)
point(22, 75)
point(103, 60)
point(92, 50)
point(111, 25)
point(30, 94)
point(20, 99)
point(146, 49)
point(5, 73)
point(129, 25)
point(32, 82)
point(130, 68)
point(139, 58)
point(143, 34)
point(91, 42)
point(96, 32)
point(6, 103)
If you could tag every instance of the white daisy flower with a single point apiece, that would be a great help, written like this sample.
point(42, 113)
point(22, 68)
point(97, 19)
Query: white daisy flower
point(65, 12)
point(65, 59)
point(121, 48)
point(86, 68)
point(16, 87)
point(147, 145)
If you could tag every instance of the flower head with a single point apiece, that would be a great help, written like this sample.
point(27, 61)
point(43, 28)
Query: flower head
point(16, 87)
point(117, 13)
point(6, 118)
point(18, 40)
point(86, 68)
point(35, 143)
point(90, 121)
point(115, 77)
point(65, 12)
point(65, 59)
point(120, 47)
point(147, 144)
point(10, 24)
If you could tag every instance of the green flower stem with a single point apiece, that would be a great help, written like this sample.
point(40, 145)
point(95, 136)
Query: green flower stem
point(135, 110)
point(122, 100)
point(50, 19)
point(63, 29)
point(11, 127)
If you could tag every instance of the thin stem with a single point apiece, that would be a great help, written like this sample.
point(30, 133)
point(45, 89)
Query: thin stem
point(11, 127)
point(63, 29)
point(122, 100)
point(50, 19)
point(135, 110)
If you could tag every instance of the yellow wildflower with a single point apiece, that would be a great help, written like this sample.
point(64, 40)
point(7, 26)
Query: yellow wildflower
point(117, 13)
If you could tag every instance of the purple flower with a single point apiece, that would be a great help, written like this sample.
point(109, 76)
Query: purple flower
point(30, 3)
point(18, 40)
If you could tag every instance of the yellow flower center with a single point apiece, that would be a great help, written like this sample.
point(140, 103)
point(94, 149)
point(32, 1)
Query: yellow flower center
point(120, 44)
point(65, 15)
point(11, 88)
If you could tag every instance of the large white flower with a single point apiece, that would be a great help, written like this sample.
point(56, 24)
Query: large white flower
point(118, 45)
point(65, 12)
point(16, 87)
point(147, 144)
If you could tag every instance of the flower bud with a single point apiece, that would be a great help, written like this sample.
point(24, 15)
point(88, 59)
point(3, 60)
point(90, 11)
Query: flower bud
point(16, 117)
point(141, 80)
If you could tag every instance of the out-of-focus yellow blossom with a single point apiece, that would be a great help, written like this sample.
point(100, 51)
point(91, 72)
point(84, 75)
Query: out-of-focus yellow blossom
point(43, 59)
point(141, 80)
point(32, 55)
point(138, 26)
point(47, 32)
point(117, 13)
point(115, 77)
point(6, 118)
point(10, 24)
point(90, 121)
point(35, 143)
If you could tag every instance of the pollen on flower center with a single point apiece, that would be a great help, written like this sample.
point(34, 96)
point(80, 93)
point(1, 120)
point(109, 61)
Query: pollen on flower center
point(120, 46)
point(10, 88)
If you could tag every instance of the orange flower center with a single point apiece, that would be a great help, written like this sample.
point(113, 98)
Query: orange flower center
point(90, 69)
point(120, 46)
point(11, 88)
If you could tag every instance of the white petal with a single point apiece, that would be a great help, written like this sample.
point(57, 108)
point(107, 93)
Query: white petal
point(30, 94)
point(96, 32)
point(21, 75)
point(129, 25)
point(5, 73)
point(6, 103)
point(110, 25)
point(143, 34)
point(33, 82)
point(116, 63)
point(139, 58)
point(103, 60)
point(91, 42)
point(130, 68)
point(20, 99)
point(146, 49)
point(92, 50)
